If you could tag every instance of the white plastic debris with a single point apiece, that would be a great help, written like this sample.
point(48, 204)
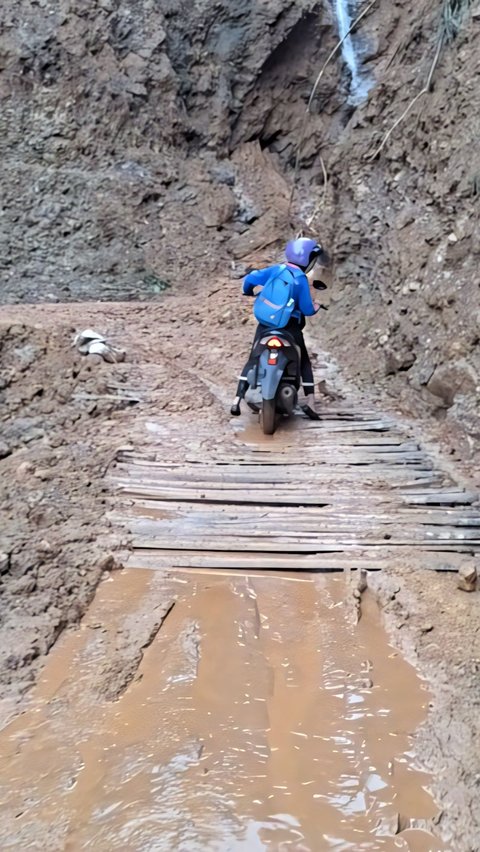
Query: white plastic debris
point(90, 342)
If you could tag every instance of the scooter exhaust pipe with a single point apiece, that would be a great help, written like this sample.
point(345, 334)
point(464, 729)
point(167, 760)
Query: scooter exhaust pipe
point(287, 399)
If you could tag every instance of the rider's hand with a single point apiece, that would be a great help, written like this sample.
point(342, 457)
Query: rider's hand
point(317, 306)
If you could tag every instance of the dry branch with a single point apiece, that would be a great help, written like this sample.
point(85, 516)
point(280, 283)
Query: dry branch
point(412, 103)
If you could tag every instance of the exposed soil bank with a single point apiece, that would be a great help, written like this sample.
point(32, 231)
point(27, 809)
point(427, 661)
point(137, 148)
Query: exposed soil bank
point(437, 627)
point(405, 225)
point(55, 542)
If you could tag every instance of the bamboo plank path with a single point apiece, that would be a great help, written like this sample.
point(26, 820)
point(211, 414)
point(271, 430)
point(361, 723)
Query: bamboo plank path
point(351, 490)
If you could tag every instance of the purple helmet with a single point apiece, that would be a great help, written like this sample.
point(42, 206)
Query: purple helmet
point(304, 253)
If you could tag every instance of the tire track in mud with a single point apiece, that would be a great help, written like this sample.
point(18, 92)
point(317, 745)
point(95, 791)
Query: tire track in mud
point(125, 665)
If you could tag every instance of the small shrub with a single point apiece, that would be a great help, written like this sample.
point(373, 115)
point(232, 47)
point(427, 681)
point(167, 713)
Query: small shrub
point(154, 283)
point(453, 16)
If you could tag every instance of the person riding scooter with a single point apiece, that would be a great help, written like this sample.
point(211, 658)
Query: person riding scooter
point(301, 256)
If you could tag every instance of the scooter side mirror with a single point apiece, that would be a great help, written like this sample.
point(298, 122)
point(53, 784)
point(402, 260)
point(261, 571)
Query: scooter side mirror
point(319, 285)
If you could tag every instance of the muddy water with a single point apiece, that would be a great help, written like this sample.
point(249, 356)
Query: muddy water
point(255, 721)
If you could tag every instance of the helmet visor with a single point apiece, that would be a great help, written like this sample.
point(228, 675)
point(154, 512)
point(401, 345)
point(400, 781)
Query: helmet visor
point(320, 256)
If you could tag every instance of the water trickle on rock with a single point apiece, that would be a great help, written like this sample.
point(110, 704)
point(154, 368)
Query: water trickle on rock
point(360, 83)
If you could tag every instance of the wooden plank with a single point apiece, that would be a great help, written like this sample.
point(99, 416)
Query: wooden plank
point(330, 459)
point(373, 561)
point(318, 514)
point(329, 531)
point(235, 537)
point(335, 475)
point(235, 545)
point(322, 493)
point(277, 496)
point(305, 487)
point(258, 560)
point(278, 523)
point(301, 463)
point(379, 442)
point(351, 489)
point(269, 544)
point(254, 473)
point(445, 499)
point(252, 497)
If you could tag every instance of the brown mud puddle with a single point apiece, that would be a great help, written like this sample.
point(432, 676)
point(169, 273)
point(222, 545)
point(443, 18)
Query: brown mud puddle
point(259, 718)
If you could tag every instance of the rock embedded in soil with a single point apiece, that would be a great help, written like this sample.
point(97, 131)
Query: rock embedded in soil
point(4, 563)
point(26, 468)
point(4, 450)
point(467, 577)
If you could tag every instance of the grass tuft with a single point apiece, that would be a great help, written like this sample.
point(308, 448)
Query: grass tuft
point(453, 16)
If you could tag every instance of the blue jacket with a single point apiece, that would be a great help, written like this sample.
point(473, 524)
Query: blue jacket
point(303, 300)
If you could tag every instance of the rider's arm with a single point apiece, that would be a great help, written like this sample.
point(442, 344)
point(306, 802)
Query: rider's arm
point(257, 278)
point(304, 299)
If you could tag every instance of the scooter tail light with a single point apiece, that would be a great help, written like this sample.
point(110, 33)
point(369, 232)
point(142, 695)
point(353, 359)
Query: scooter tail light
point(274, 343)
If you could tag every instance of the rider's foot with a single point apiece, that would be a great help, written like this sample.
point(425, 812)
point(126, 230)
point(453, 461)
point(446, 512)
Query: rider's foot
point(235, 409)
point(308, 407)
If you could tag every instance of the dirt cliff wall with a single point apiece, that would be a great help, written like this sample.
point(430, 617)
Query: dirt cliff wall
point(149, 143)
point(404, 224)
point(116, 129)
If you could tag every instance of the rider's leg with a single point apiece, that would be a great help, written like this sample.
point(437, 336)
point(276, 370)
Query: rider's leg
point(309, 404)
point(306, 372)
point(242, 386)
point(308, 384)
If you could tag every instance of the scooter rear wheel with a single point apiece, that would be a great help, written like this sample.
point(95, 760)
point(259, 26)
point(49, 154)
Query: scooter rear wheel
point(268, 416)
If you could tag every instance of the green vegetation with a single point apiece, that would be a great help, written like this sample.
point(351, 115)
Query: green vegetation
point(453, 16)
point(154, 283)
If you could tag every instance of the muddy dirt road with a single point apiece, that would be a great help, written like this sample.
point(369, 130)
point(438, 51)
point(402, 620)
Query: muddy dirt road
point(233, 687)
point(258, 718)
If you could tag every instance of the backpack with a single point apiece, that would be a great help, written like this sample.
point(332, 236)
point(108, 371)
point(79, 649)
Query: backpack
point(275, 304)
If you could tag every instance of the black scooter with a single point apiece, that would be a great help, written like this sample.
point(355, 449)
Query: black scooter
point(276, 374)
